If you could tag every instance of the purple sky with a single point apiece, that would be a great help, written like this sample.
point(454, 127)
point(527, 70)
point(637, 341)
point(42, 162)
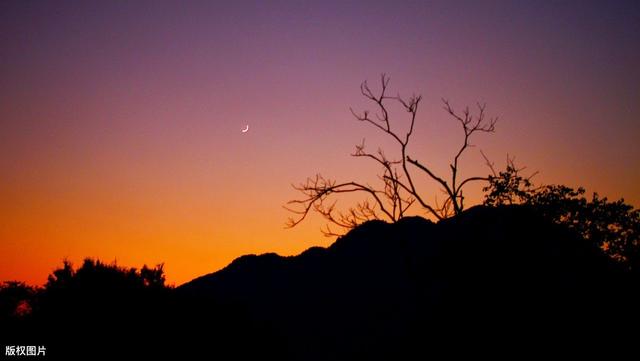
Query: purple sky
point(120, 121)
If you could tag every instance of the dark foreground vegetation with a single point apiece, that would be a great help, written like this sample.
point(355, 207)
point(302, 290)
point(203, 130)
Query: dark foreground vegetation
point(491, 280)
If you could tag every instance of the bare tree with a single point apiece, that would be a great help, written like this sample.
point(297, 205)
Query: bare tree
point(398, 191)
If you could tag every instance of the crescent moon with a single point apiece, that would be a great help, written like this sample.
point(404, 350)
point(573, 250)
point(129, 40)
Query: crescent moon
point(246, 129)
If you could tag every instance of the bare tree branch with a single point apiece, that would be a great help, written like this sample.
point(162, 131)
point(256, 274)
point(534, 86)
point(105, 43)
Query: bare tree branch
point(489, 164)
point(398, 192)
point(318, 189)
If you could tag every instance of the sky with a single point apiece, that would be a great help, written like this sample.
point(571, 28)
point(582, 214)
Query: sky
point(120, 122)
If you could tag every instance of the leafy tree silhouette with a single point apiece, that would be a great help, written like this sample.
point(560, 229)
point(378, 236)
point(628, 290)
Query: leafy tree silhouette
point(110, 310)
point(614, 226)
point(398, 191)
point(117, 291)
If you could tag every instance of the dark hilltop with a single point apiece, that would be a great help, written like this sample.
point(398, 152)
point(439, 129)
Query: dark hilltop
point(488, 281)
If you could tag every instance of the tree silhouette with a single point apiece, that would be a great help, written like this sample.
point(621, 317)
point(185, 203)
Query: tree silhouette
point(398, 191)
point(614, 227)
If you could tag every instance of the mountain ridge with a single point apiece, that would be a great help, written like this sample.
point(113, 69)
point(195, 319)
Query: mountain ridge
point(387, 287)
point(491, 281)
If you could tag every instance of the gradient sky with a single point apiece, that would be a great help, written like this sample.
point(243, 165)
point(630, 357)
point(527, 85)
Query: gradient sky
point(120, 121)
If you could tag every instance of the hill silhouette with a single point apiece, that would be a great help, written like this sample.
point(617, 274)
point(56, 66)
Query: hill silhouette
point(492, 277)
point(490, 280)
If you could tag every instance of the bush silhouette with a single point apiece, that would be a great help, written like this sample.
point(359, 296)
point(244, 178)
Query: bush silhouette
point(105, 309)
point(95, 285)
point(612, 226)
point(78, 309)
